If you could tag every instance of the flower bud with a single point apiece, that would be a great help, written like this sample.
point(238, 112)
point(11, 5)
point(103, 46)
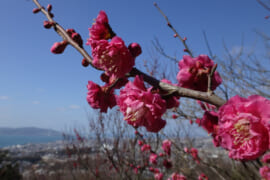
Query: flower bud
point(49, 7)
point(36, 10)
point(59, 47)
point(51, 14)
point(104, 78)
point(175, 35)
point(85, 63)
point(185, 38)
point(47, 24)
point(77, 38)
point(135, 49)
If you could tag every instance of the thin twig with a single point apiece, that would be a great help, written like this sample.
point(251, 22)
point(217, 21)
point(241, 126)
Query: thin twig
point(174, 30)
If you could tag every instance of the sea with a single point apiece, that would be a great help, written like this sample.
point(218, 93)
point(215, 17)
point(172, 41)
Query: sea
point(10, 140)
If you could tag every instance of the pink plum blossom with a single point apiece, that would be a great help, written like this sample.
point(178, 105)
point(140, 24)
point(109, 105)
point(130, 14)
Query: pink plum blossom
point(101, 28)
point(141, 107)
point(145, 147)
point(100, 97)
point(166, 146)
point(266, 158)
point(209, 121)
point(244, 127)
point(153, 158)
point(113, 57)
point(194, 72)
point(158, 176)
point(176, 176)
point(194, 154)
point(265, 172)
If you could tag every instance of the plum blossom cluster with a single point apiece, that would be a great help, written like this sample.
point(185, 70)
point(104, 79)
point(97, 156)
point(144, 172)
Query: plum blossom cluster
point(114, 57)
point(162, 158)
point(194, 73)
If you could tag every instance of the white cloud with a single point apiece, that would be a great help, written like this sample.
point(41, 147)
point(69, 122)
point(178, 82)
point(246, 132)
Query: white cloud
point(74, 106)
point(35, 102)
point(4, 97)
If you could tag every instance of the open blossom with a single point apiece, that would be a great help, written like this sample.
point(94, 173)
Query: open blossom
point(158, 176)
point(266, 158)
point(209, 121)
point(153, 158)
point(176, 176)
point(244, 126)
point(141, 107)
point(194, 154)
point(194, 72)
point(113, 57)
point(265, 172)
point(99, 97)
point(166, 146)
point(101, 28)
point(145, 147)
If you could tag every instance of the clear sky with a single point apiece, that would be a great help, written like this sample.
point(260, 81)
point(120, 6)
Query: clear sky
point(38, 88)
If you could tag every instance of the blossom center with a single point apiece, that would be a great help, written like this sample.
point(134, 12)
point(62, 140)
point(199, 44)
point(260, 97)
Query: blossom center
point(241, 132)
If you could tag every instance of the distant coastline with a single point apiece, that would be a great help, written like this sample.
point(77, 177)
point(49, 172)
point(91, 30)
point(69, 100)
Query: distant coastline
point(26, 135)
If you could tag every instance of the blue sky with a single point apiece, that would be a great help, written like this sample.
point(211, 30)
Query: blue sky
point(38, 88)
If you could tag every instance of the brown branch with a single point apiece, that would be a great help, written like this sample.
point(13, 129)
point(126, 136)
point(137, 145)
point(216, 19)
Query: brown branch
point(62, 32)
point(174, 30)
point(184, 92)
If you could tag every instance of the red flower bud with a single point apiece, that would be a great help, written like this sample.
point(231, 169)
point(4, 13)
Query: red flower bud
point(51, 14)
point(47, 24)
point(104, 78)
point(59, 47)
point(185, 38)
point(49, 7)
point(77, 38)
point(70, 31)
point(85, 63)
point(36, 10)
point(175, 35)
point(135, 49)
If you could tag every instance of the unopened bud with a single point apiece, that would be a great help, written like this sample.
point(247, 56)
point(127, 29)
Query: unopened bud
point(49, 7)
point(70, 31)
point(135, 49)
point(47, 24)
point(185, 50)
point(174, 116)
point(266, 17)
point(175, 35)
point(51, 15)
point(85, 63)
point(36, 10)
point(104, 78)
point(77, 38)
point(185, 38)
point(169, 24)
point(59, 47)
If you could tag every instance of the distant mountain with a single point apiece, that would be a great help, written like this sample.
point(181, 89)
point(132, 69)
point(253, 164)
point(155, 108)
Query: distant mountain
point(28, 131)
